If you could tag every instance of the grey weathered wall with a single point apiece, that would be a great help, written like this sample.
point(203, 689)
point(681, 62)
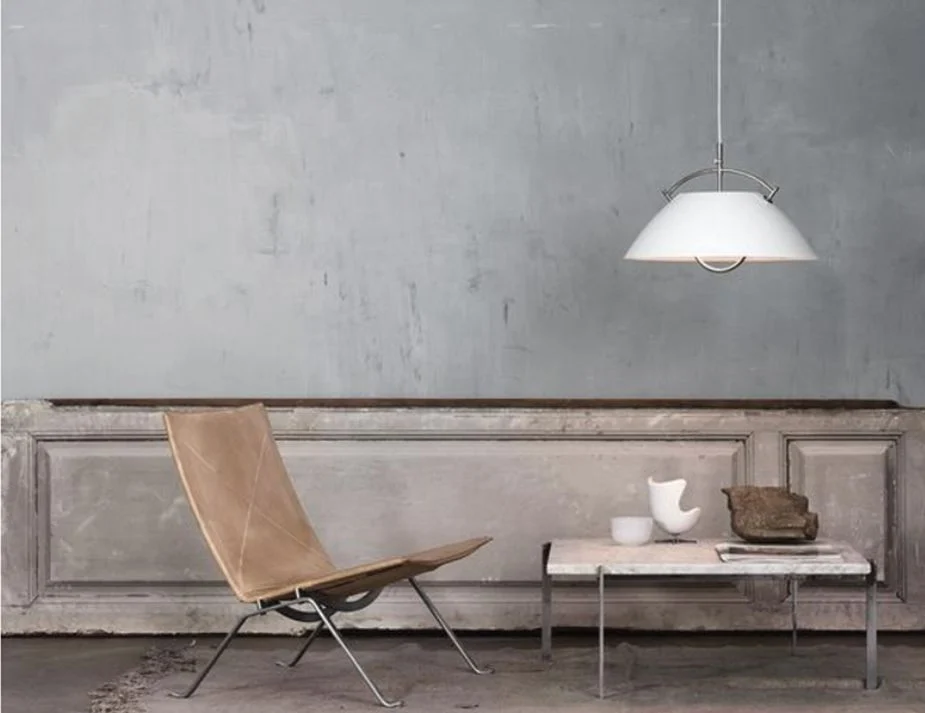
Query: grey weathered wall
point(398, 198)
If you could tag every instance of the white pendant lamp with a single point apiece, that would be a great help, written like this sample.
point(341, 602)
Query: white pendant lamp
point(725, 227)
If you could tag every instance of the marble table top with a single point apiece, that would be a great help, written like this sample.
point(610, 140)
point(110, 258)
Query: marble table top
point(580, 557)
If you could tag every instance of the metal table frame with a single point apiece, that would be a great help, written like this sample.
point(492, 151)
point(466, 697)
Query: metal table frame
point(871, 679)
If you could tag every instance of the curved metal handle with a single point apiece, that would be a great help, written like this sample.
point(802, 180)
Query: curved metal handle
point(669, 193)
point(719, 170)
point(719, 270)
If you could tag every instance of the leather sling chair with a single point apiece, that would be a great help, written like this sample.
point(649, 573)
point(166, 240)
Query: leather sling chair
point(258, 532)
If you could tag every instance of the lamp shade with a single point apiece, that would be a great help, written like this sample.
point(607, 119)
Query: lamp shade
point(720, 226)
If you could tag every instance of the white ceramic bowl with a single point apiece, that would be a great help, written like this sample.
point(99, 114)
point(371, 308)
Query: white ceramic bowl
point(631, 530)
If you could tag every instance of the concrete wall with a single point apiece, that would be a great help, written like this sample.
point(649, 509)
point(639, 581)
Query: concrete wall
point(290, 198)
point(98, 534)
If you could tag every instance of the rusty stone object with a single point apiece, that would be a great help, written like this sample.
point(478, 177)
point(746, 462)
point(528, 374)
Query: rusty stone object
point(770, 514)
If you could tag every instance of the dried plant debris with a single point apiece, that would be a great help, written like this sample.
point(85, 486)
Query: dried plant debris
point(124, 694)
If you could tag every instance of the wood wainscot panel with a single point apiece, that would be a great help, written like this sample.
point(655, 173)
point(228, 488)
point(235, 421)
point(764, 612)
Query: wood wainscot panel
point(851, 484)
point(114, 513)
point(98, 535)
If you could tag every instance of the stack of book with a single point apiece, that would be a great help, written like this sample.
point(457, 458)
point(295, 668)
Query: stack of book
point(746, 551)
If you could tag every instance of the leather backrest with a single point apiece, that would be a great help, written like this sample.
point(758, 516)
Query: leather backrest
point(244, 500)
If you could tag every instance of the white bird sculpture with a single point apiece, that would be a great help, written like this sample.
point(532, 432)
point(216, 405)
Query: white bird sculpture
point(665, 505)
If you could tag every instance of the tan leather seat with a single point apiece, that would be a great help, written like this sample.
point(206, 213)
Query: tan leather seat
point(251, 517)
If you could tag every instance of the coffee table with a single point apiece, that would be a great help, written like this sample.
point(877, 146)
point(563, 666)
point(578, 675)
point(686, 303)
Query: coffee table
point(603, 559)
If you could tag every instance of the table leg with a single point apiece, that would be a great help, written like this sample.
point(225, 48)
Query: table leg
point(546, 616)
point(871, 680)
point(600, 632)
point(794, 587)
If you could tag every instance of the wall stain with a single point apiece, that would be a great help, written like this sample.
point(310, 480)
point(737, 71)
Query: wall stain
point(417, 326)
point(273, 226)
point(44, 344)
point(373, 359)
point(140, 291)
point(240, 290)
point(537, 121)
point(894, 387)
point(177, 84)
point(416, 333)
point(472, 255)
point(413, 294)
point(365, 311)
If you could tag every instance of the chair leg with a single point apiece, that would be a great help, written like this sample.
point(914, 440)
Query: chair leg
point(326, 620)
point(221, 649)
point(308, 642)
point(446, 627)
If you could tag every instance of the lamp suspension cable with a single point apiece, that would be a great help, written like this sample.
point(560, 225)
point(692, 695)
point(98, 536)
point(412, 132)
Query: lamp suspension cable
point(719, 95)
point(718, 161)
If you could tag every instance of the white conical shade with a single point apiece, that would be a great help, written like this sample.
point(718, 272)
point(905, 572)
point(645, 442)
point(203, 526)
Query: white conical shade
point(720, 226)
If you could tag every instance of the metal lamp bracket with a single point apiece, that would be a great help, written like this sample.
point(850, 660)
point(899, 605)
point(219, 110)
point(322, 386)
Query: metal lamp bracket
point(771, 191)
point(719, 170)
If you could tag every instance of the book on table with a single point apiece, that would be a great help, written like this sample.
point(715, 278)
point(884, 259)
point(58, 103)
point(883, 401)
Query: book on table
point(754, 552)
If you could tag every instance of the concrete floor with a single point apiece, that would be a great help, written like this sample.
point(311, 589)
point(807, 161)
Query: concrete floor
point(656, 674)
